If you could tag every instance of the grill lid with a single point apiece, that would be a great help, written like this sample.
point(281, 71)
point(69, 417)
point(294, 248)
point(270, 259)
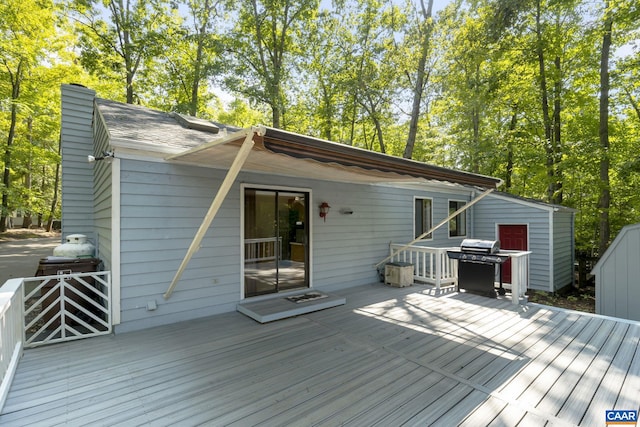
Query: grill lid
point(480, 246)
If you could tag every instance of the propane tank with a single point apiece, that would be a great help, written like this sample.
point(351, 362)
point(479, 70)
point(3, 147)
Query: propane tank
point(75, 247)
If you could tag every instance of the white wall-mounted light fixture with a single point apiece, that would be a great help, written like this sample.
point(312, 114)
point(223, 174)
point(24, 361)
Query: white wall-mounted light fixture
point(108, 156)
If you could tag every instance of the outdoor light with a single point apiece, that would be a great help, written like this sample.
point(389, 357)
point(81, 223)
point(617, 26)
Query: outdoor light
point(106, 155)
point(324, 210)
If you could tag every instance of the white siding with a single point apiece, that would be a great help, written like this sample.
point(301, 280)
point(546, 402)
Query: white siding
point(102, 196)
point(563, 249)
point(162, 206)
point(551, 262)
point(616, 273)
point(493, 210)
point(77, 174)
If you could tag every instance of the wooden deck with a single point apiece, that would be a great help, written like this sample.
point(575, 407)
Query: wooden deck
point(390, 356)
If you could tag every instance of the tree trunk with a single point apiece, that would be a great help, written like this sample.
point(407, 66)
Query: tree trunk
point(383, 149)
point(352, 124)
point(557, 133)
point(544, 99)
point(275, 115)
point(6, 176)
point(605, 195)
point(28, 220)
point(326, 113)
point(197, 69)
point(633, 102)
point(418, 88)
point(512, 127)
point(475, 124)
point(54, 201)
point(195, 85)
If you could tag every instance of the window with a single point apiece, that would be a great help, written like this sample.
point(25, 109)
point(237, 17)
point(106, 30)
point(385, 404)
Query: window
point(423, 217)
point(457, 224)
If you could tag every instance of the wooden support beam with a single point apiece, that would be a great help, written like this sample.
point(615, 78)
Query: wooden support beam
point(228, 181)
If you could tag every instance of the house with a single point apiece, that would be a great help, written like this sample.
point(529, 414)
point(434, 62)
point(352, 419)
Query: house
point(616, 274)
point(192, 217)
point(546, 230)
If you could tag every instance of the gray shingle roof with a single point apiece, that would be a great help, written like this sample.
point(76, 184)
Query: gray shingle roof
point(136, 124)
point(141, 128)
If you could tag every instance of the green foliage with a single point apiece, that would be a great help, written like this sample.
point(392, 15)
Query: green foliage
point(347, 72)
point(265, 43)
point(240, 114)
point(118, 39)
point(34, 60)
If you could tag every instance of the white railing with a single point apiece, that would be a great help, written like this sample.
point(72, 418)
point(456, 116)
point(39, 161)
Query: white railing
point(48, 309)
point(430, 265)
point(519, 273)
point(433, 266)
point(66, 307)
point(263, 249)
point(11, 336)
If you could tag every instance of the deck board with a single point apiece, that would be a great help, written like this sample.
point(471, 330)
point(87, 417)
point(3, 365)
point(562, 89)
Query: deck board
point(388, 356)
point(582, 397)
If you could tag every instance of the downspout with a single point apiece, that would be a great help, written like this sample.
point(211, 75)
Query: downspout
point(236, 166)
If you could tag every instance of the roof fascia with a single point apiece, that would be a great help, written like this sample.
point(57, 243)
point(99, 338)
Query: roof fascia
point(533, 204)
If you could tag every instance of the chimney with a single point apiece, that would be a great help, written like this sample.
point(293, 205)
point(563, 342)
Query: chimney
point(76, 134)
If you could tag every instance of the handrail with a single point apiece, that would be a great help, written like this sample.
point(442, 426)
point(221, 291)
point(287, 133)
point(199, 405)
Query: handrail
point(11, 333)
point(431, 265)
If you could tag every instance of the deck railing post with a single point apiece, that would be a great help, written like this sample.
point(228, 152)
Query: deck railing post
point(519, 275)
point(438, 260)
point(11, 333)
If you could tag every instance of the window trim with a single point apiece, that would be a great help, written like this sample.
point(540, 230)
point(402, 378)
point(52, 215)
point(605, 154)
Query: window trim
point(464, 202)
point(430, 225)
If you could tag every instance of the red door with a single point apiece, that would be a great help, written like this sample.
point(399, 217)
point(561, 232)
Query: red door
point(512, 237)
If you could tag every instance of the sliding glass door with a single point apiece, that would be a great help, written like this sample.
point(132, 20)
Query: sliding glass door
point(276, 255)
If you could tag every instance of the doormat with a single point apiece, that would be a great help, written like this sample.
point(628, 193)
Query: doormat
point(309, 296)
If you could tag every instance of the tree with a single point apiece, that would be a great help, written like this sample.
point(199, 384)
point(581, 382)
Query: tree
point(605, 192)
point(324, 79)
point(424, 30)
point(470, 79)
point(624, 14)
point(179, 79)
point(28, 35)
point(265, 42)
point(371, 78)
point(239, 113)
point(116, 46)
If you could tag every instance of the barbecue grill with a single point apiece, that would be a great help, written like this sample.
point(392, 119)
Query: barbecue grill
point(477, 260)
